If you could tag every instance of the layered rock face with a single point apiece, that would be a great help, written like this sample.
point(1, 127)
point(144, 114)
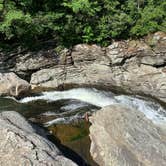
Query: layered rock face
point(25, 62)
point(20, 145)
point(11, 84)
point(137, 66)
point(125, 137)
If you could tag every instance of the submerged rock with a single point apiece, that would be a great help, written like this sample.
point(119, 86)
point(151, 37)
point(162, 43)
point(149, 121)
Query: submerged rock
point(11, 84)
point(125, 137)
point(21, 145)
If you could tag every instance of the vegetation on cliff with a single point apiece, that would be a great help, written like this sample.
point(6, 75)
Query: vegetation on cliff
point(69, 22)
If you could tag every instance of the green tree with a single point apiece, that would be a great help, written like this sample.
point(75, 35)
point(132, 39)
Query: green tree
point(69, 22)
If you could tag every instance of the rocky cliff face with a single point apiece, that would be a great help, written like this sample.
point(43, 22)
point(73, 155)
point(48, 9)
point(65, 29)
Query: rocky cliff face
point(124, 137)
point(21, 145)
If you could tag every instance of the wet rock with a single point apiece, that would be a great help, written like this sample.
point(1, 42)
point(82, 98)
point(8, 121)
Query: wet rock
point(124, 137)
point(11, 84)
point(20, 145)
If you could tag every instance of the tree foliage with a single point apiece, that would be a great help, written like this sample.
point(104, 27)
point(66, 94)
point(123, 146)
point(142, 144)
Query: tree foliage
point(70, 22)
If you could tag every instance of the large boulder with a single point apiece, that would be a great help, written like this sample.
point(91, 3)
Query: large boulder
point(20, 145)
point(125, 137)
point(11, 84)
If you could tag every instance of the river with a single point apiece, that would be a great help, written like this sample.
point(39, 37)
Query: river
point(62, 114)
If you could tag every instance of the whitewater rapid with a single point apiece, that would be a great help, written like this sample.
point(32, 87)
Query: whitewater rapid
point(152, 110)
point(91, 96)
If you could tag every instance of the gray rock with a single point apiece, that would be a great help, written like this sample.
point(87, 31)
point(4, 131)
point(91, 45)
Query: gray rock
point(20, 145)
point(117, 52)
point(133, 66)
point(33, 61)
point(84, 54)
point(24, 62)
point(11, 84)
point(153, 60)
point(125, 137)
point(87, 75)
point(142, 79)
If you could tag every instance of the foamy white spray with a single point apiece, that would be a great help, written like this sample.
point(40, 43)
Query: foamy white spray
point(91, 96)
point(153, 111)
point(98, 98)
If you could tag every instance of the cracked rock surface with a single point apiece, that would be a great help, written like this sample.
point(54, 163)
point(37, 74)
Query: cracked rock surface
point(125, 137)
point(21, 145)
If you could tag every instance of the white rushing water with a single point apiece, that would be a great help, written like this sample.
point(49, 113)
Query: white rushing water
point(91, 96)
point(99, 98)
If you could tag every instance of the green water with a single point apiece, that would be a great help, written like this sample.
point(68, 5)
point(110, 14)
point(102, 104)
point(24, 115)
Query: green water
point(76, 137)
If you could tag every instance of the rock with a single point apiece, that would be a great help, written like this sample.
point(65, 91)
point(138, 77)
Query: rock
point(34, 61)
point(132, 66)
point(153, 60)
point(124, 137)
point(90, 66)
point(11, 84)
point(24, 62)
point(143, 80)
point(118, 52)
point(20, 145)
point(84, 54)
point(88, 75)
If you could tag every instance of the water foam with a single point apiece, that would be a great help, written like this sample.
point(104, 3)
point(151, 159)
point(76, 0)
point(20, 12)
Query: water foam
point(152, 111)
point(91, 96)
point(98, 98)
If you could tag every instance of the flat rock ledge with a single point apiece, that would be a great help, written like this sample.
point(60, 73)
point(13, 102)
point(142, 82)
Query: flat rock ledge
point(124, 137)
point(21, 145)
